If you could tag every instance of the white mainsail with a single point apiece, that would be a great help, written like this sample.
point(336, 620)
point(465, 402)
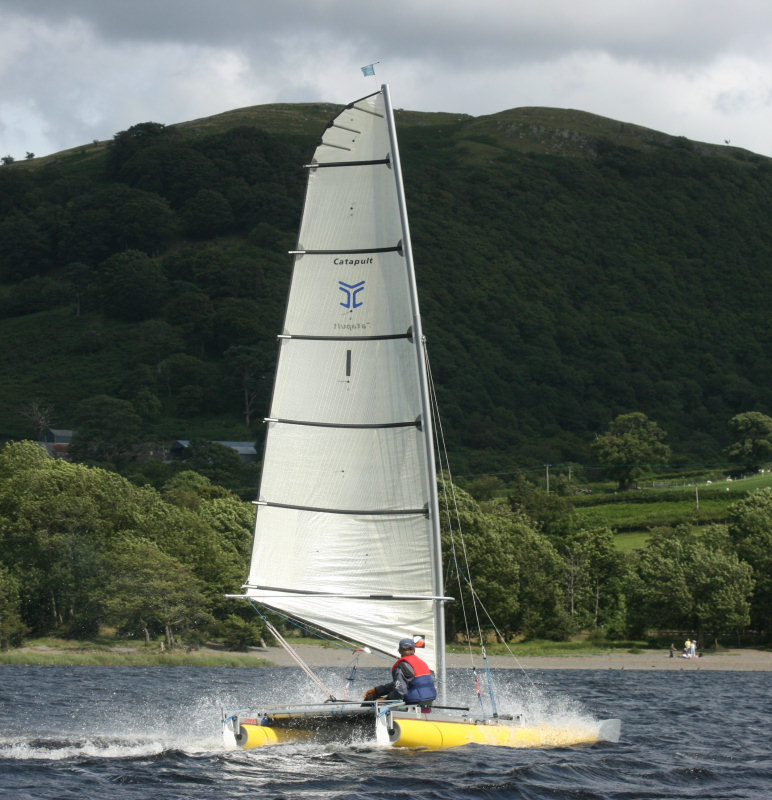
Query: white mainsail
point(346, 533)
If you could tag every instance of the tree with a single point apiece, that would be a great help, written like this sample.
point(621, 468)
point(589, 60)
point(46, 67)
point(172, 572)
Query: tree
point(126, 143)
point(111, 219)
point(752, 432)
point(80, 277)
point(688, 582)
point(593, 578)
point(63, 525)
point(39, 415)
point(170, 169)
point(189, 382)
point(132, 286)
point(233, 520)
point(191, 312)
point(151, 589)
point(12, 629)
point(217, 462)
point(722, 585)
point(631, 444)
point(18, 457)
point(251, 366)
point(516, 572)
point(238, 321)
point(540, 593)
point(144, 221)
point(750, 528)
point(548, 511)
point(487, 558)
point(24, 249)
point(108, 429)
point(485, 487)
point(659, 587)
point(186, 488)
point(206, 214)
point(240, 634)
point(57, 521)
point(85, 230)
point(154, 340)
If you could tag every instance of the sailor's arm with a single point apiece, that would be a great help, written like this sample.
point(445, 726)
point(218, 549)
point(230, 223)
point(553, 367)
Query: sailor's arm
point(405, 674)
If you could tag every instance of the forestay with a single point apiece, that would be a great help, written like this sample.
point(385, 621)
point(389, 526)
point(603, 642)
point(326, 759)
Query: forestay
point(344, 529)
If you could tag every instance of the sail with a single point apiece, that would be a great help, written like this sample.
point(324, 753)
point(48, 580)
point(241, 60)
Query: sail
point(343, 534)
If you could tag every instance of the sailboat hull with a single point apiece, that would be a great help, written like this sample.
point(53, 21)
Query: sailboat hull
point(418, 731)
point(337, 725)
point(443, 734)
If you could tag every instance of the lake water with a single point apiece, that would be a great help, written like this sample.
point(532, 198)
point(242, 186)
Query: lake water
point(128, 732)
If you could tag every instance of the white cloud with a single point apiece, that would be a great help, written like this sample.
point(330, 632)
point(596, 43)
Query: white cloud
point(75, 70)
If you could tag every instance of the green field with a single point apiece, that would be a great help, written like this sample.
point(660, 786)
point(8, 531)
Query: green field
point(634, 513)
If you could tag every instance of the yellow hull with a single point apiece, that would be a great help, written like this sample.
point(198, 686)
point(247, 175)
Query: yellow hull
point(444, 734)
point(252, 736)
point(428, 734)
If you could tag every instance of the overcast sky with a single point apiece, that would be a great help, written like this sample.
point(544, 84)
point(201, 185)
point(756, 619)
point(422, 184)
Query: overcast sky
point(72, 71)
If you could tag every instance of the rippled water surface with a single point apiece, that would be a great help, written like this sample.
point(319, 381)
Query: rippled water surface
point(125, 732)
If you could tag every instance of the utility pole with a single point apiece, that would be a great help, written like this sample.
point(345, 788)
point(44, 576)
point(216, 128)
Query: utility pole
point(548, 477)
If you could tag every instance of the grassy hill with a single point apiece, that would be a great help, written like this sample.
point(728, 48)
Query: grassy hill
point(571, 268)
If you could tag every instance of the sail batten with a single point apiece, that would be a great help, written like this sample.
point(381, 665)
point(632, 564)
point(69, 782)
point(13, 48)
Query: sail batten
point(407, 424)
point(363, 109)
point(350, 511)
point(341, 252)
point(370, 163)
point(384, 337)
point(344, 128)
point(279, 591)
point(337, 146)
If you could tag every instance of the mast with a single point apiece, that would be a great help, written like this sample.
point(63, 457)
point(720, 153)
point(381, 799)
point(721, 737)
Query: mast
point(419, 344)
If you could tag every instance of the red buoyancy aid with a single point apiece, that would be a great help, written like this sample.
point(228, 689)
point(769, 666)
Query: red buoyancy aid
point(421, 687)
point(419, 666)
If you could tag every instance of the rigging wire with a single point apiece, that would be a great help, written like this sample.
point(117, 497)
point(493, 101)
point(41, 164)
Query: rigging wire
point(315, 632)
point(445, 477)
point(442, 455)
point(300, 662)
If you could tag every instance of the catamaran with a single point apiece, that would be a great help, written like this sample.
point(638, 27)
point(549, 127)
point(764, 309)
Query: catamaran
point(347, 531)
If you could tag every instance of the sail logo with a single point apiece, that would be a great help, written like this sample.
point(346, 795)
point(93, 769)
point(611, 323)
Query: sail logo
point(351, 292)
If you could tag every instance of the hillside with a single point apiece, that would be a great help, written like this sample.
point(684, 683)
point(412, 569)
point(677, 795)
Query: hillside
point(571, 268)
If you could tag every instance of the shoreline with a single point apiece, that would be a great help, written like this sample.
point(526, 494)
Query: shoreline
point(725, 660)
point(735, 660)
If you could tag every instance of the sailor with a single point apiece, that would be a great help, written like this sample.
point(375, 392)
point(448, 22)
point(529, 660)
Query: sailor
point(411, 679)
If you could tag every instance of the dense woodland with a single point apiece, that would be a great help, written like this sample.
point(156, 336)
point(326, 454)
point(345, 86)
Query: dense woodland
point(84, 548)
point(573, 272)
point(571, 269)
